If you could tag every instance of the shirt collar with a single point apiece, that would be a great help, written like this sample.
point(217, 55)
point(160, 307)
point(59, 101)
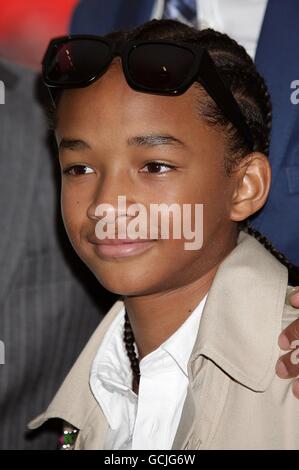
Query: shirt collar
point(111, 370)
point(111, 363)
point(111, 367)
point(179, 345)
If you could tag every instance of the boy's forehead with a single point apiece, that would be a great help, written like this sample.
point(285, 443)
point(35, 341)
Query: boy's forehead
point(109, 114)
point(111, 97)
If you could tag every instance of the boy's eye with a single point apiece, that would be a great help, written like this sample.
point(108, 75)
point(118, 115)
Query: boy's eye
point(77, 170)
point(157, 167)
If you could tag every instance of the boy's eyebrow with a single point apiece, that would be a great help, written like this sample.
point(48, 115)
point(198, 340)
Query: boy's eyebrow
point(153, 140)
point(73, 144)
point(150, 140)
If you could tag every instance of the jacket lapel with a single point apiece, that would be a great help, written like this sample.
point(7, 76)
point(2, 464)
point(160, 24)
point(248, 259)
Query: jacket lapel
point(184, 431)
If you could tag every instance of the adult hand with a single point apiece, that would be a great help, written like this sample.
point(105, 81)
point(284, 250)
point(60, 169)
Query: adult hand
point(288, 365)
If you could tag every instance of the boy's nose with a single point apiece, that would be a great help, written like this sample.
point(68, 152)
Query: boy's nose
point(111, 198)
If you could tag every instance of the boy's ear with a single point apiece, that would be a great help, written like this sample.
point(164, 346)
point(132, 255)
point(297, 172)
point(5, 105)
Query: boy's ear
point(253, 178)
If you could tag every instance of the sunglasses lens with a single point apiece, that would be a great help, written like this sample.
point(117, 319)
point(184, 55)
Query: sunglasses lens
point(76, 61)
point(160, 67)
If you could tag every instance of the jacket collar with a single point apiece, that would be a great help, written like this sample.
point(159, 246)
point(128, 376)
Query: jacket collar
point(248, 282)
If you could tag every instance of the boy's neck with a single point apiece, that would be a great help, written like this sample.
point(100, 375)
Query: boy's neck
point(154, 318)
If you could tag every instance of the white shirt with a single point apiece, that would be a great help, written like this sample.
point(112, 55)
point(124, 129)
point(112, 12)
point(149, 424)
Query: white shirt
point(240, 19)
point(149, 420)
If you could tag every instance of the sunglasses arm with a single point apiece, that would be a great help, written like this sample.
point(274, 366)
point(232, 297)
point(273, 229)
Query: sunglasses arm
point(213, 84)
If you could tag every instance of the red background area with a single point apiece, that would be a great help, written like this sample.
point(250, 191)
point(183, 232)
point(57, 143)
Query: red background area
point(26, 27)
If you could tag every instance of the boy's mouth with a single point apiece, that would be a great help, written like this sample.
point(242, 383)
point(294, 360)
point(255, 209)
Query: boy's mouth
point(118, 248)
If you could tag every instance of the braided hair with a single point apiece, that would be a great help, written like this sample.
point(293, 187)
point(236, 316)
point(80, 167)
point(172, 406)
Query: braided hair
point(239, 74)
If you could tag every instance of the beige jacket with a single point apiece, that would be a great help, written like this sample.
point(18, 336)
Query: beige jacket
point(234, 400)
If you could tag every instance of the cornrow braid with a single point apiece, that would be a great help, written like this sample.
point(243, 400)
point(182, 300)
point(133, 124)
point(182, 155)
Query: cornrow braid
point(129, 341)
point(239, 73)
point(268, 111)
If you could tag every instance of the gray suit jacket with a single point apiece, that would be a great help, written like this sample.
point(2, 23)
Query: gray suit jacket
point(46, 313)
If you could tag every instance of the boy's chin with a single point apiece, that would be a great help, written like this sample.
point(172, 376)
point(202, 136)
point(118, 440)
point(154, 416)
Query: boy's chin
point(126, 286)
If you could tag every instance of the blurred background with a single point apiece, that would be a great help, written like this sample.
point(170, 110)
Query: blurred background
point(49, 302)
point(26, 27)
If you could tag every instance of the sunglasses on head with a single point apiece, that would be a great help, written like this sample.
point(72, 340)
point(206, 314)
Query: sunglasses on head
point(161, 67)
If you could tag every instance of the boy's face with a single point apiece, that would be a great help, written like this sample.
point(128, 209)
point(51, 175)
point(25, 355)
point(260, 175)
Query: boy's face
point(99, 130)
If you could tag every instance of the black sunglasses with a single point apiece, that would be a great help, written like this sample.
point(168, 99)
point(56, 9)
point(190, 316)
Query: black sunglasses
point(158, 67)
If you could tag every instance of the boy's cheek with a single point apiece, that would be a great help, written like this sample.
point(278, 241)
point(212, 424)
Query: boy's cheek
point(74, 224)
